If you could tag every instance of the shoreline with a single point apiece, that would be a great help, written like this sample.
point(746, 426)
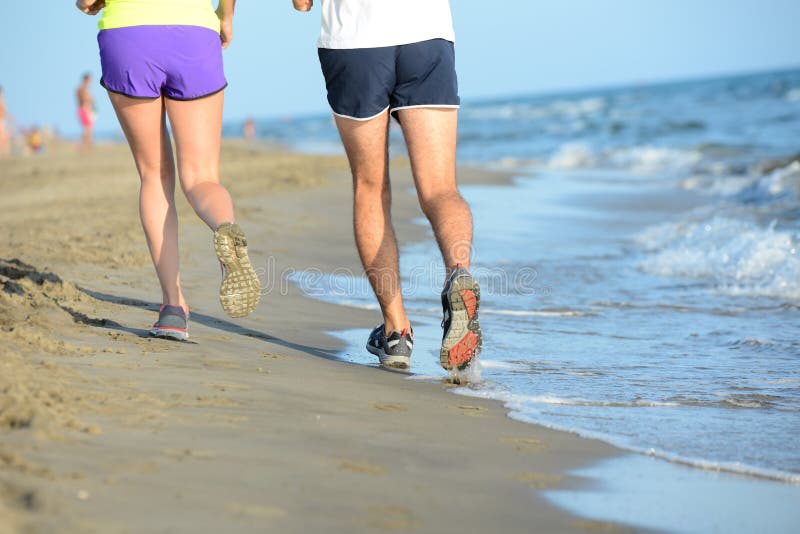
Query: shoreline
point(241, 427)
point(700, 464)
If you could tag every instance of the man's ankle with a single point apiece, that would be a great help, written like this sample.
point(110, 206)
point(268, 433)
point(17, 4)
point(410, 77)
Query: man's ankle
point(397, 326)
point(451, 268)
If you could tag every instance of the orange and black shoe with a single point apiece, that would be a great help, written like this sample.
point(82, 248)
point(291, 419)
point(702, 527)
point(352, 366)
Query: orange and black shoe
point(461, 339)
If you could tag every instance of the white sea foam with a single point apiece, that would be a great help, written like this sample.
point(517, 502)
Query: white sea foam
point(538, 110)
point(637, 160)
point(497, 364)
point(649, 160)
point(578, 108)
point(503, 312)
point(530, 401)
point(721, 186)
point(738, 256)
point(793, 95)
point(573, 156)
point(779, 182)
point(533, 313)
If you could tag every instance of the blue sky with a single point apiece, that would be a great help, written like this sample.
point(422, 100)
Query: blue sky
point(503, 48)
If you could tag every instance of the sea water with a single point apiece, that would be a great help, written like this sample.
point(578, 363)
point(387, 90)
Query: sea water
point(640, 277)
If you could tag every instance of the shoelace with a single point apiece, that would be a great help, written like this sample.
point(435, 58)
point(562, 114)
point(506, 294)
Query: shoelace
point(445, 318)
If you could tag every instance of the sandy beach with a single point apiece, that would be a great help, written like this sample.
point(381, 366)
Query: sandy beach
point(252, 425)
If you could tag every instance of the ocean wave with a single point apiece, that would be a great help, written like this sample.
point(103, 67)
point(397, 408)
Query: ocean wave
point(715, 185)
point(536, 313)
point(752, 343)
point(754, 401)
point(638, 160)
point(738, 256)
point(573, 156)
point(499, 365)
point(648, 160)
point(537, 110)
point(553, 400)
point(779, 184)
point(793, 95)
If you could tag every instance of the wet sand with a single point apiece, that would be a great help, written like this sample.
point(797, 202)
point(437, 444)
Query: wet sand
point(253, 425)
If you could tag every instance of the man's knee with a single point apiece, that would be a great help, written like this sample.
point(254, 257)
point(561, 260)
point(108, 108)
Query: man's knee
point(371, 188)
point(432, 202)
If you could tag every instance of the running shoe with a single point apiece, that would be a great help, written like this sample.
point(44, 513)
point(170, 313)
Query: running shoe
point(393, 351)
point(240, 290)
point(173, 323)
point(461, 338)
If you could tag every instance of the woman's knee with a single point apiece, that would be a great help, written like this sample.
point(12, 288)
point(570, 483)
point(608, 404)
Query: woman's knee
point(191, 180)
point(156, 176)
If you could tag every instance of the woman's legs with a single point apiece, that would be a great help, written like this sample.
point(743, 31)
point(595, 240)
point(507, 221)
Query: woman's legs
point(145, 127)
point(197, 128)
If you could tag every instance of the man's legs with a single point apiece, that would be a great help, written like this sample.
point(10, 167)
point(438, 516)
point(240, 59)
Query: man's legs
point(431, 139)
point(430, 135)
point(366, 145)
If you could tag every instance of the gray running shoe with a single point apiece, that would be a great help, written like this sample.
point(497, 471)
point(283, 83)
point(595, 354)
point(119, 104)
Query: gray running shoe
point(461, 338)
point(241, 289)
point(172, 323)
point(393, 351)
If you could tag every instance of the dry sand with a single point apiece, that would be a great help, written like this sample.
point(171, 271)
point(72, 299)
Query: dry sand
point(253, 425)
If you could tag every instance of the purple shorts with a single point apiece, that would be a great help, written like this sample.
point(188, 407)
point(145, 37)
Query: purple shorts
point(178, 62)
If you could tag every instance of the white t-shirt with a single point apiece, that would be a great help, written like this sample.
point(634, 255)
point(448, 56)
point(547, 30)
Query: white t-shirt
point(376, 23)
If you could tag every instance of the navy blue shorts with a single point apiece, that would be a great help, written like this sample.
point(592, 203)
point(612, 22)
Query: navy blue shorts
point(364, 82)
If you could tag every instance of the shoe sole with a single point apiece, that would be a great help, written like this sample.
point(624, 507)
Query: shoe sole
point(389, 360)
point(462, 343)
point(240, 290)
point(168, 333)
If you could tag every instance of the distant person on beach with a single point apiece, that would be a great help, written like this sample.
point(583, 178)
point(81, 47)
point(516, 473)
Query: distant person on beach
point(163, 59)
point(396, 58)
point(35, 140)
point(5, 133)
point(249, 130)
point(86, 113)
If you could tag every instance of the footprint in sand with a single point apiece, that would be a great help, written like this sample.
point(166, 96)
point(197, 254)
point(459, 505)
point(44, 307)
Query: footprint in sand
point(255, 511)
point(539, 480)
point(186, 454)
point(218, 337)
point(468, 410)
point(390, 407)
point(220, 364)
point(390, 518)
point(213, 401)
point(525, 444)
point(223, 386)
point(224, 419)
point(365, 468)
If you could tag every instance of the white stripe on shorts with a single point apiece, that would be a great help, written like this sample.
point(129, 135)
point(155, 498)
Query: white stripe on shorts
point(358, 118)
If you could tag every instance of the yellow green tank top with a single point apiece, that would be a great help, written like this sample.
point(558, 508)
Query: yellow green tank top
point(125, 13)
